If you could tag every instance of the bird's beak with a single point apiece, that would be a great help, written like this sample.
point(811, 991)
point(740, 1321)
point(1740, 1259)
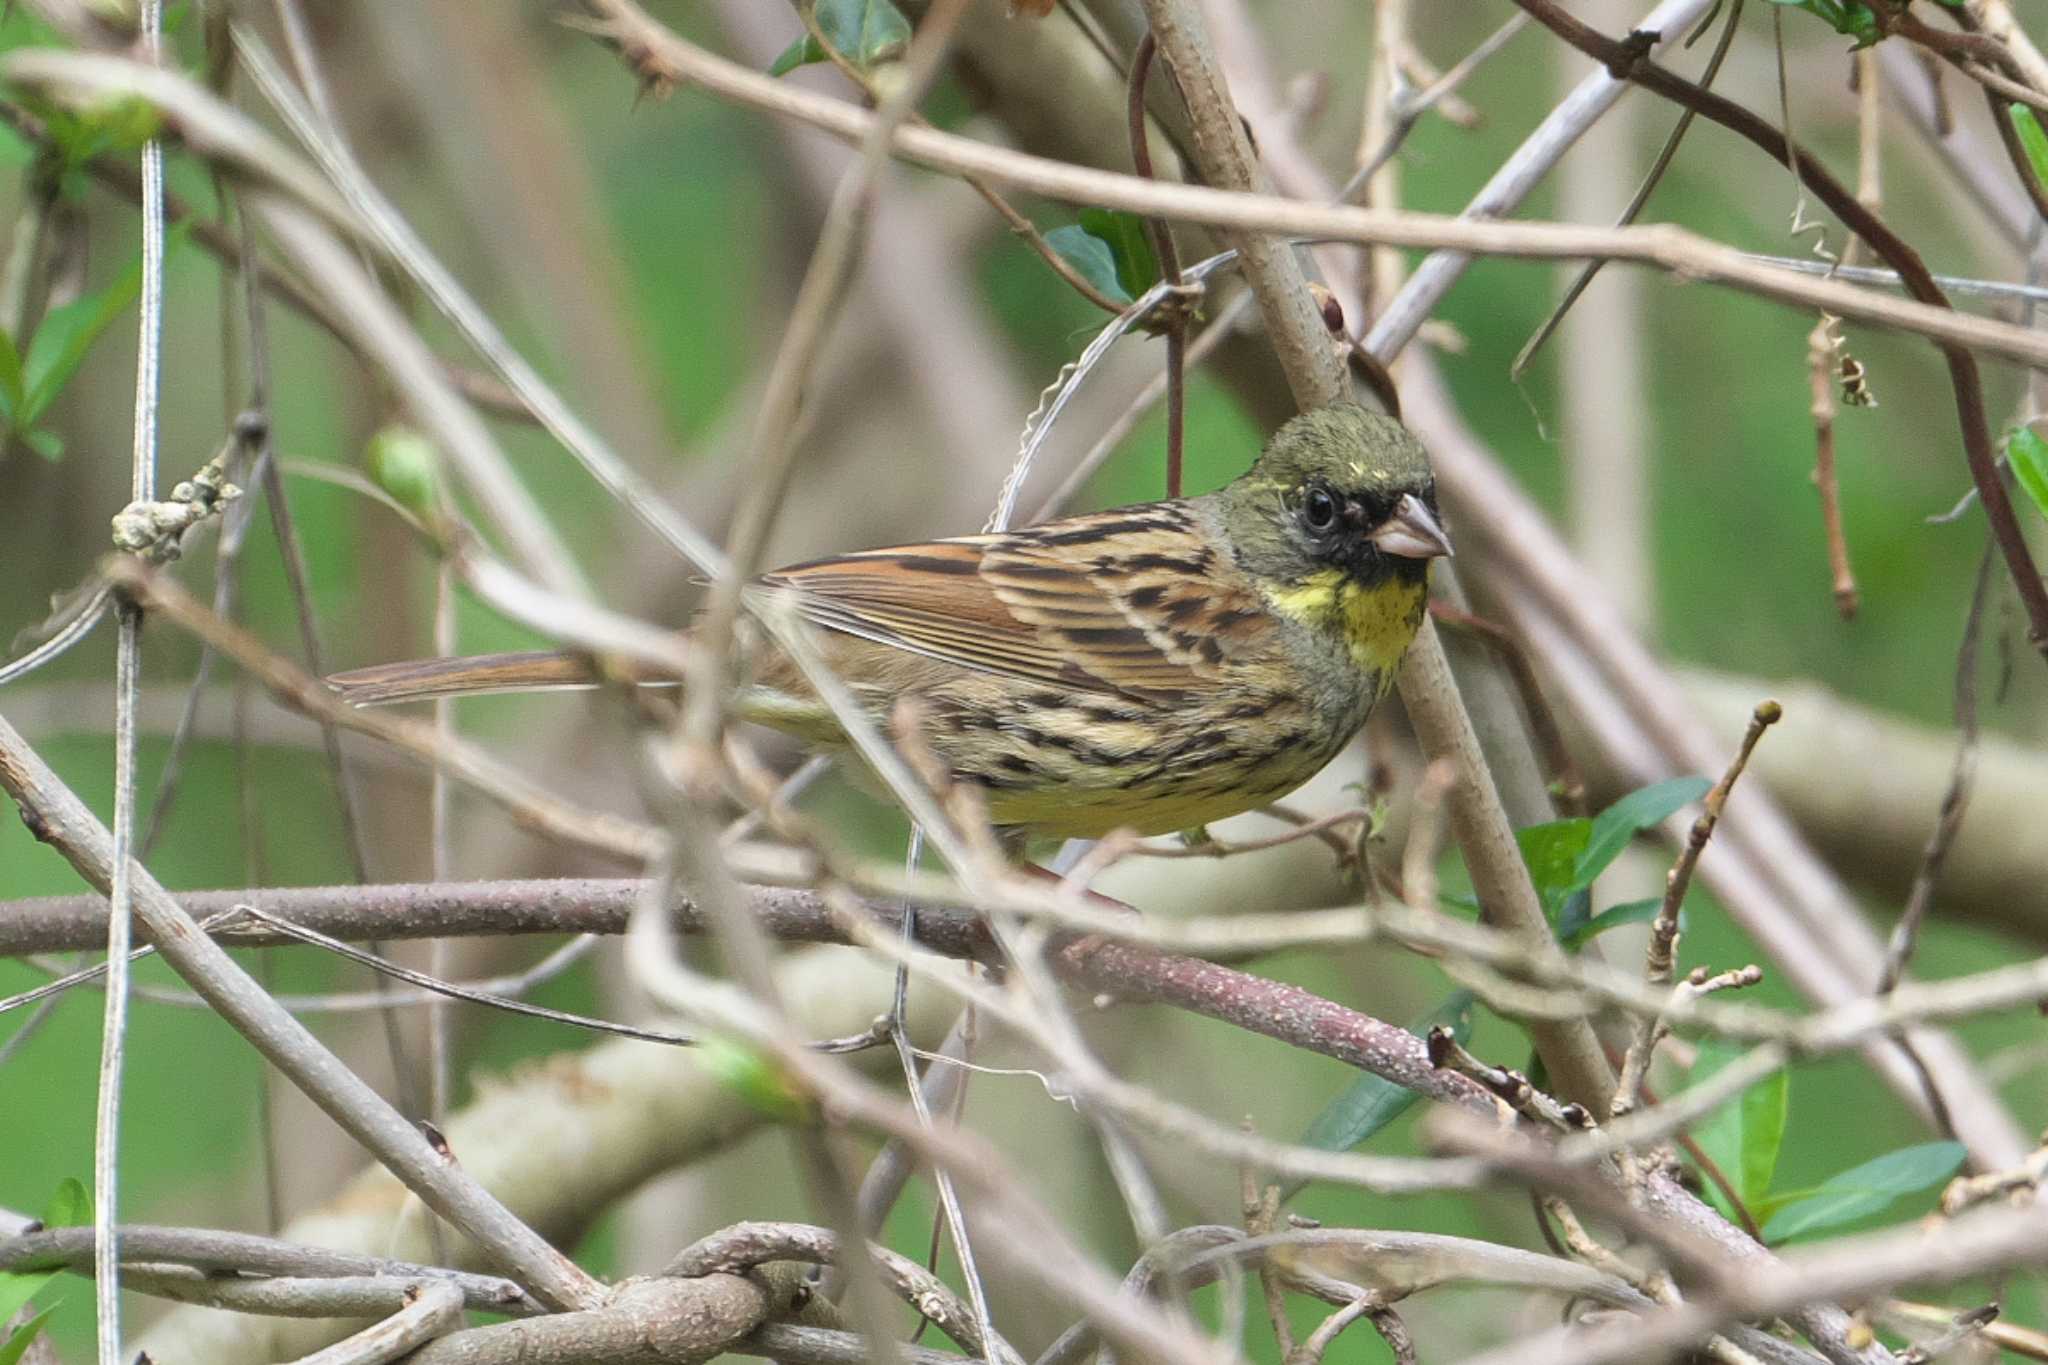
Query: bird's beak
point(1412, 532)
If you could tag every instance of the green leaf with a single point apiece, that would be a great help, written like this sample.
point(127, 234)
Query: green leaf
point(803, 52)
point(1621, 822)
point(16, 1346)
point(10, 377)
point(1573, 915)
point(1091, 258)
point(1742, 1137)
point(43, 442)
point(1850, 18)
point(1552, 852)
point(864, 32)
point(1575, 935)
point(406, 465)
point(1867, 1189)
point(1371, 1102)
point(2027, 453)
point(2032, 139)
point(17, 1287)
point(70, 1206)
point(1137, 268)
point(66, 334)
point(756, 1078)
point(120, 123)
point(14, 149)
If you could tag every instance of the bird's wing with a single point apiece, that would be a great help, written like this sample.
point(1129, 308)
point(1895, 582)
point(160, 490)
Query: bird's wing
point(1130, 603)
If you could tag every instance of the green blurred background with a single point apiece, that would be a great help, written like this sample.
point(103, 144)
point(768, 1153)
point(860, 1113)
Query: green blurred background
point(687, 232)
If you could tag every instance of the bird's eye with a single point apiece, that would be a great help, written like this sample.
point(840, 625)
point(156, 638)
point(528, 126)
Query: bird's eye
point(1319, 510)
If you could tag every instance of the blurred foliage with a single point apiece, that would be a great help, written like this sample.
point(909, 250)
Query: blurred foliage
point(707, 237)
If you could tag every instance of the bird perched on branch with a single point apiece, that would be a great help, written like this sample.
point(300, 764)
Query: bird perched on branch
point(1152, 667)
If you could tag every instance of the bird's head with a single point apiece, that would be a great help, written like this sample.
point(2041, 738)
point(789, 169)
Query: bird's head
point(1337, 488)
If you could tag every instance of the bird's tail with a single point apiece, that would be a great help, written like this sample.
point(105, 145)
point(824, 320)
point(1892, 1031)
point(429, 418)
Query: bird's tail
point(475, 675)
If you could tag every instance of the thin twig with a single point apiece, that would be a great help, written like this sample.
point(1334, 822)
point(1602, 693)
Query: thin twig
point(127, 679)
point(1176, 319)
point(1665, 154)
point(1954, 801)
point(443, 1184)
point(322, 138)
point(1823, 346)
point(1671, 248)
point(529, 802)
point(1317, 1343)
point(1660, 958)
point(1113, 433)
point(431, 1310)
point(1962, 364)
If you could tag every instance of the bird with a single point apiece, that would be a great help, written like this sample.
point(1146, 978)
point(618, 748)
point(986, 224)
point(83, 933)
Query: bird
point(1149, 668)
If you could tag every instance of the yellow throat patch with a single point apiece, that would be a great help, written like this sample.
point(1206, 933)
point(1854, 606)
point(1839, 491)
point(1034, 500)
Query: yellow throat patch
point(1376, 623)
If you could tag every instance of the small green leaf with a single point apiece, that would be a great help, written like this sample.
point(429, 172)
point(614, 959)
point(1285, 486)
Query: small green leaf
point(2032, 139)
point(11, 397)
point(1130, 245)
point(1743, 1137)
point(1576, 935)
point(70, 1206)
point(14, 149)
point(17, 1287)
point(864, 32)
point(406, 465)
point(1371, 1102)
point(66, 334)
point(1552, 852)
point(1091, 258)
point(2027, 453)
point(1867, 1189)
point(16, 1346)
point(43, 442)
point(1850, 18)
point(803, 52)
point(1574, 913)
point(120, 123)
point(1621, 822)
point(756, 1079)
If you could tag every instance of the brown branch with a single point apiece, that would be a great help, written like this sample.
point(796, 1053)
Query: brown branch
point(1567, 782)
point(1161, 232)
point(405, 911)
point(1822, 345)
